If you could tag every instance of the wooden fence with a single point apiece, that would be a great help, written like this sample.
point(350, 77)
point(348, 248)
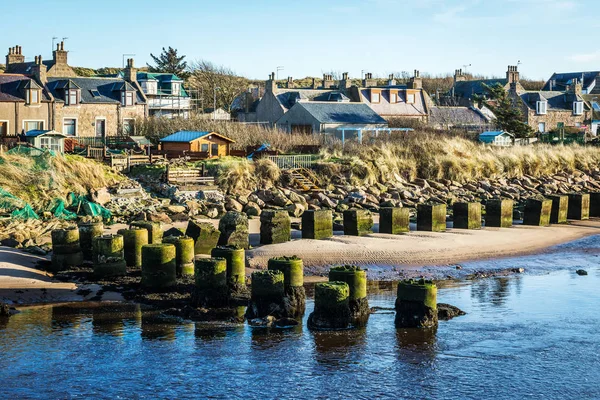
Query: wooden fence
point(188, 177)
point(124, 162)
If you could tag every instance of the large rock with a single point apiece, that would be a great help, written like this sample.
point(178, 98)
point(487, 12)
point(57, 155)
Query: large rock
point(100, 196)
point(233, 205)
point(252, 209)
point(205, 235)
point(234, 230)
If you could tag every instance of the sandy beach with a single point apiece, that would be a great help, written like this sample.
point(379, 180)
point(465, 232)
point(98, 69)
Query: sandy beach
point(21, 282)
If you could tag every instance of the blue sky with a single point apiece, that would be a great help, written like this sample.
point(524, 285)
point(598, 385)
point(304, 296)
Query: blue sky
point(310, 37)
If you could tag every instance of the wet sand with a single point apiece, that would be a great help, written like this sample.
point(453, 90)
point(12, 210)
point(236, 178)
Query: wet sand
point(21, 282)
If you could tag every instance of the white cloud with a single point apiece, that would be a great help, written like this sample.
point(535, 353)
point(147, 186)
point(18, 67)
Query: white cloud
point(585, 57)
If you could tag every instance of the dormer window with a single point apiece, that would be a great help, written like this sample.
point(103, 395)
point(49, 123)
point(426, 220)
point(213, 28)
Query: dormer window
point(33, 97)
point(375, 96)
point(149, 87)
point(578, 108)
point(71, 97)
point(393, 96)
point(127, 99)
point(175, 88)
point(410, 98)
point(541, 107)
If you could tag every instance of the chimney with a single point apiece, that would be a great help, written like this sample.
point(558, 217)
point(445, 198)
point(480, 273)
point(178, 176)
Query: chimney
point(270, 84)
point(314, 83)
point(14, 56)
point(327, 81)
point(290, 82)
point(368, 81)
point(512, 75)
point(458, 76)
point(39, 71)
point(345, 83)
point(416, 82)
point(60, 55)
point(391, 80)
point(130, 72)
point(576, 88)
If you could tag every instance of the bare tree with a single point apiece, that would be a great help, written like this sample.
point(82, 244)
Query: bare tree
point(211, 80)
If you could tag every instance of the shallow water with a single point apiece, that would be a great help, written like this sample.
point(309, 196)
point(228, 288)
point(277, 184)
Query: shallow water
point(525, 336)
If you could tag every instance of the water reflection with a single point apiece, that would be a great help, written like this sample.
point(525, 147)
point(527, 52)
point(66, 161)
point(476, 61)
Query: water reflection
point(158, 327)
point(266, 338)
point(216, 332)
point(3, 323)
point(416, 346)
point(66, 316)
point(494, 291)
point(335, 348)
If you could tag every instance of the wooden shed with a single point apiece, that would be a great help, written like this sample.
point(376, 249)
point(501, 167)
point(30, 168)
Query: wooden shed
point(50, 140)
point(212, 143)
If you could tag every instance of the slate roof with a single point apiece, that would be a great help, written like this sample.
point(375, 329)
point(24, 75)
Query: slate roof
point(560, 101)
point(25, 68)
point(467, 89)
point(456, 116)
point(108, 88)
point(342, 113)
point(190, 136)
point(563, 79)
point(288, 97)
point(12, 85)
point(399, 109)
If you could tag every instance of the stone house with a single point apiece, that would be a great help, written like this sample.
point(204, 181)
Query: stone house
point(24, 105)
point(562, 81)
point(329, 117)
point(76, 106)
point(464, 90)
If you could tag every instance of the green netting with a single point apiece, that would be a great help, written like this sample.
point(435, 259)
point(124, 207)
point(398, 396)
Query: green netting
point(83, 205)
point(59, 210)
point(25, 213)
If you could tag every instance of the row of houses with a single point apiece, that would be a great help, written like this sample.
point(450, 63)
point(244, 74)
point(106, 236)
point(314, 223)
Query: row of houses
point(47, 95)
point(567, 100)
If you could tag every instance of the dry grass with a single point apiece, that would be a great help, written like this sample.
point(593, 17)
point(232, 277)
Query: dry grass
point(38, 180)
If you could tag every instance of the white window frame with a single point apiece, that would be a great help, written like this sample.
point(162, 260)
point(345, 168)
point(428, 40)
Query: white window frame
point(540, 124)
point(123, 125)
point(393, 97)
point(7, 126)
point(410, 98)
point(150, 87)
point(76, 126)
point(33, 120)
point(578, 108)
point(53, 144)
point(375, 95)
point(28, 96)
point(125, 98)
point(70, 92)
point(541, 107)
point(175, 88)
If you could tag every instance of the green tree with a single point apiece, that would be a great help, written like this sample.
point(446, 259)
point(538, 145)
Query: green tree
point(169, 62)
point(508, 115)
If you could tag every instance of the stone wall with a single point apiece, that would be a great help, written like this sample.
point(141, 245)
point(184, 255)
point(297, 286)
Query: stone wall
point(17, 112)
point(87, 114)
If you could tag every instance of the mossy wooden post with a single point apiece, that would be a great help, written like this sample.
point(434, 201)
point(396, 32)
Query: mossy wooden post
point(205, 235)
point(66, 250)
point(416, 304)
point(154, 229)
point(159, 266)
point(234, 230)
point(317, 224)
point(358, 222)
point(595, 204)
point(579, 206)
point(466, 215)
point(560, 206)
point(431, 217)
point(184, 247)
point(87, 232)
point(499, 213)
point(210, 276)
point(275, 227)
point(267, 294)
point(332, 306)
point(356, 279)
point(236, 263)
point(109, 256)
point(293, 273)
point(394, 220)
point(537, 212)
point(133, 240)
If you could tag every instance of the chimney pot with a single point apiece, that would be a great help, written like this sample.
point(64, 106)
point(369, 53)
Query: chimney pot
point(62, 45)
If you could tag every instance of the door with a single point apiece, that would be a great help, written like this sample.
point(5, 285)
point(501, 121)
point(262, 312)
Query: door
point(3, 128)
point(214, 150)
point(100, 127)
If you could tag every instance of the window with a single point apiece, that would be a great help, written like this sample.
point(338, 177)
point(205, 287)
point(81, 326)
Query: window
point(3, 128)
point(51, 143)
point(578, 107)
point(175, 88)
point(205, 147)
point(71, 97)
point(214, 149)
point(100, 127)
point(129, 126)
point(150, 87)
point(375, 97)
point(410, 98)
point(127, 99)
point(33, 126)
point(541, 107)
point(70, 126)
point(95, 93)
point(542, 127)
point(393, 98)
point(33, 96)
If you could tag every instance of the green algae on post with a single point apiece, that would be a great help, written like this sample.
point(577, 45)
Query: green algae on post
point(292, 268)
point(579, 206)
point(560, 205)
point(159, 266)
point(431, 217)
point(87, 232)
point(466, 215)
point(234, 230)
point(354, 276)
point(416, 304)
point(236, 263)
point(332, 306)
point(499, 213)
point(537, 212)
point(108, 256)
point(133, 240)
point(394, 220)
point(155, 232)
point(66, 251)
point(275, 227)
point(205, 235)
point(317, 224)
point(184, 247)
point(358, 222)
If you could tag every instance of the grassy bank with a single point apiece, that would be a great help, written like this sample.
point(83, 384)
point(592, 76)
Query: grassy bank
point(38, 180)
